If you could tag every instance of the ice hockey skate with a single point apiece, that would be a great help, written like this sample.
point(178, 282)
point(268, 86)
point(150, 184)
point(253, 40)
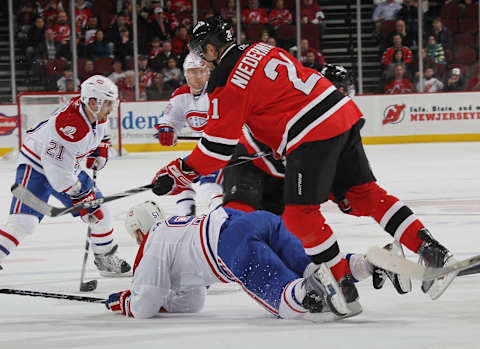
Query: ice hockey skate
point(324, 294)
point(109, 265)
point(433, 254)
point(402, 283)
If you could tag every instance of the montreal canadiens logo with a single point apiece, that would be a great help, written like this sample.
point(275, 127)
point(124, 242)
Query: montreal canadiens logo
point(197, 120)
point(68, 131)
point(7, 124)
point(394, 114)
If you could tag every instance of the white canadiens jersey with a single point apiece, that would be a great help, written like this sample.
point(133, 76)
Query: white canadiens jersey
point(55, 146)
point(184, 106)
point(175, 263)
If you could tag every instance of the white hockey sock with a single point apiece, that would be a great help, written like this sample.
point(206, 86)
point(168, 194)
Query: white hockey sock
point(185, 200)
point(360, 267)
point(102, 233)
point(291, 302)
point(18, 227)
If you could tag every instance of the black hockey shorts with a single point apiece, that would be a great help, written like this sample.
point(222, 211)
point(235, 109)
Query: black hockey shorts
point(249, 184)
point(316, 169)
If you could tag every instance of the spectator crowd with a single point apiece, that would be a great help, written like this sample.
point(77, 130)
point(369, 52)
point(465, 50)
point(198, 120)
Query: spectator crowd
point(104, 39)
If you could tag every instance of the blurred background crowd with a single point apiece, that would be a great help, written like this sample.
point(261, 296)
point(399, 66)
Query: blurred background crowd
point(105, 41)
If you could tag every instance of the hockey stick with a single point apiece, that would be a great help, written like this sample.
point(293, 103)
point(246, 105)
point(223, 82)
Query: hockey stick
point(30, 199)
point(52, 295)
point(92, 284)
point(384, 259)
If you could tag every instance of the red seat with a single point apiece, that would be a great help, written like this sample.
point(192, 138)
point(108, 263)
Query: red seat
point(106, 19)
point(254, 30)
point(465, 56)
point(80, 65)
point(448, 55)
point(463, 40)
point(55, 66)
point(103, 66)
point(451, 24)
point(471, 11)
point(219, 4)
point(286, 31)
point(311, 32)
point(450, 11)
point(387, 28)
point(440, 71)
point(468, 25)
point(203, 5)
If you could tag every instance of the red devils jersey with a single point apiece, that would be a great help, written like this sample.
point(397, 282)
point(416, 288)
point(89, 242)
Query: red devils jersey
point(283, 103)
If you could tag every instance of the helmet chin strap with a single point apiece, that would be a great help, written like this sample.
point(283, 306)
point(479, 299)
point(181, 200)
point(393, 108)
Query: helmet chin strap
point(94, 112)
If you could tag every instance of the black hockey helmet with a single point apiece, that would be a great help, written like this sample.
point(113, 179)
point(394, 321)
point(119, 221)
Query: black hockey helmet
point(213, 30)
point(340, 77)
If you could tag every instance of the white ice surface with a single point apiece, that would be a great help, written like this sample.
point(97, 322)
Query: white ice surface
point(440, 182)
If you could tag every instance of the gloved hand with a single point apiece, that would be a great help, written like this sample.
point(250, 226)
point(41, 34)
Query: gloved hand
point(90, 215)
point(120, 301)
point(167, 135)
point(98, 159)
point(173, 178)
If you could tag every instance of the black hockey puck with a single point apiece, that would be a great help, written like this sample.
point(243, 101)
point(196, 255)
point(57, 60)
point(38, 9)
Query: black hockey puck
point(88, 286)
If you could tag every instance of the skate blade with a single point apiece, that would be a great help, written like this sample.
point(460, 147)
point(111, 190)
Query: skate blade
point(109, 274)
point(335, 299)
point(440, 285)
point(324, 317)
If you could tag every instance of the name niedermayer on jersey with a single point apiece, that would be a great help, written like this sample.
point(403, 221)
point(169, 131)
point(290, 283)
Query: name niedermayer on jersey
point(245, 69)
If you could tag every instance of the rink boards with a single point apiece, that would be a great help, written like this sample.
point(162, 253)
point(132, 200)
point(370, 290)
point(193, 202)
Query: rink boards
point(407, 118)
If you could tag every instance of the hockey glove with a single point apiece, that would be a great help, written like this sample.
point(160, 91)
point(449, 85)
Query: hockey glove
point(120, 301)
point(91, 215)
point(167, 135)
point(98, 159)
point(173, 178)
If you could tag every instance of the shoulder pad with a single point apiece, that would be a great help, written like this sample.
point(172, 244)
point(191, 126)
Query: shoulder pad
point(71, 126)
point(180, 91)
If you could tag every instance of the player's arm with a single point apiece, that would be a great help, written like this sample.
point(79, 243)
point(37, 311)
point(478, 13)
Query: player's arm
point(216, 146)
point(186, 301)
point(171, 122)
point(226, 118)
point(150, 286)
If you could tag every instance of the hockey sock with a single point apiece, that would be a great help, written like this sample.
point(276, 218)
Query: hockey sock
point(392, 214)
point(292, 298)
point(308, 224)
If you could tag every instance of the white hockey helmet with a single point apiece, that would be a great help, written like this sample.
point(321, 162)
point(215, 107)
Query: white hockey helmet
point(100, 88)
point(193, 61)
point(142, 216)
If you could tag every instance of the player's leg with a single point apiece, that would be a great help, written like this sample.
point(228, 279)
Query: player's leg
point(358, 194)
point(185, 204)
point(210, 189)
point(23, 219)
point(255, 249)
point(102, 240)
point(243, 185)
point(309, 175)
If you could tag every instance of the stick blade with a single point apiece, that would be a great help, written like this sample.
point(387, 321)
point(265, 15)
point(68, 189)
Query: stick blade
point(385, 260)
point(88, 286)
point(29, 199)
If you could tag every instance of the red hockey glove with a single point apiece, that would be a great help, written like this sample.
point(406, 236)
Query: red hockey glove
point(98, 159)
point(173, 178)
point(91, 215)
point(120, 301)
point(167, 135)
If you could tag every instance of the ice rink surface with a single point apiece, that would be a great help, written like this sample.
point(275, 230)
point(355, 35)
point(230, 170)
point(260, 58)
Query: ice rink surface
point(440, 182)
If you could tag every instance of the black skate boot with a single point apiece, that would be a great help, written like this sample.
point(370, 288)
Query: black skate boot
point(108, 264)
point(433, 254)
point(324, 294)
point(402, 284)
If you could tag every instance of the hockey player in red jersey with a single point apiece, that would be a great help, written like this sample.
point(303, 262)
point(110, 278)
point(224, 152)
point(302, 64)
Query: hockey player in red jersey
point(300, 115)
point(49, 164)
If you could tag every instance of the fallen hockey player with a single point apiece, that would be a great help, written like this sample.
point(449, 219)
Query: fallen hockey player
point(180, 255)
